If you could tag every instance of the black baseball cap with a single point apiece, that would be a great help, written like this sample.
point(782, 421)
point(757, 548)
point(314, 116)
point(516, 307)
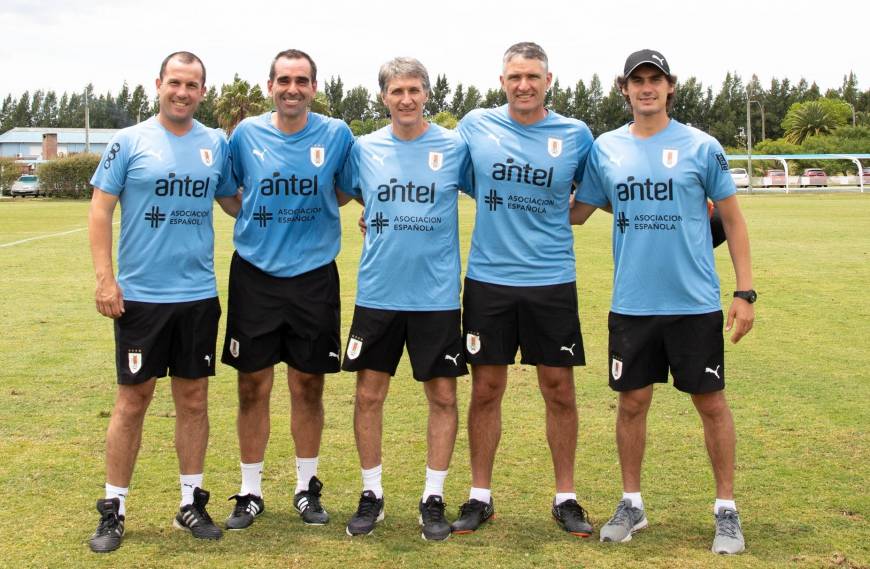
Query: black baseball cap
point(643, 56)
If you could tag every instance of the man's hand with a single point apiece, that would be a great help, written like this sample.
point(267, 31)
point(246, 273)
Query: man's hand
point(362, 222)
point(109, 298)
point(741, 316)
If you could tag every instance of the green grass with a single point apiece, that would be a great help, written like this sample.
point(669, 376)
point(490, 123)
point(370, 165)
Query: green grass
point(798, 386)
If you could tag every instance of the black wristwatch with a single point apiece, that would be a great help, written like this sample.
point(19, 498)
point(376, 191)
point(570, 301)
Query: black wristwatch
point(749, 296)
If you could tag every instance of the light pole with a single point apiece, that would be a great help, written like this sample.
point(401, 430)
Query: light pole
point(748, 140)
point(87, 124)
point(761, 106)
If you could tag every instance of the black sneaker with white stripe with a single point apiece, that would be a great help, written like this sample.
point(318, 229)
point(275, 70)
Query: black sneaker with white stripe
point(111, 528)
point(247, 508)
point(195, 519)
point(307, 503)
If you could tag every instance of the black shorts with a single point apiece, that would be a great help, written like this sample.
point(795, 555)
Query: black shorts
point(377, 338)
point(541, 320)
point(273, 319)
point(643, 349)
point(153, 338)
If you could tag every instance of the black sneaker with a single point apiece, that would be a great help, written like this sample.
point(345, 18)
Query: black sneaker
point(472, 514)
point(195, 519)
point(111, 529)
point(307, 503)
point(247, 508)
point(369, 512)
point(435, 526)
point(573, 518)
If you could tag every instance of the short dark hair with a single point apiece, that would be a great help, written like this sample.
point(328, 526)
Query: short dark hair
point(293, 54)
point(622, 81)
point(183, 57)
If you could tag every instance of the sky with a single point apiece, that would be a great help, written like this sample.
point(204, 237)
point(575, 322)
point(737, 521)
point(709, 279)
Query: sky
point(61, 45)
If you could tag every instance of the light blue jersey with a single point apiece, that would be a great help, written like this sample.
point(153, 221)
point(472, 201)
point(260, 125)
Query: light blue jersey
point(410, 258)
point(289, 222)
point(658, 188)
point(522, 182)
point(166, 185)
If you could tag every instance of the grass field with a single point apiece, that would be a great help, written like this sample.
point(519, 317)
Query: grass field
point(799, 387)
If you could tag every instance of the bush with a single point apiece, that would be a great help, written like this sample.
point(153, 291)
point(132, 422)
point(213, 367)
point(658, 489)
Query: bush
point(68, 177)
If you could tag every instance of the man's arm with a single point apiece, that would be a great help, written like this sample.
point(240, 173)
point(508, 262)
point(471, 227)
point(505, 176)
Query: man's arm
point(109, 297)
point(341, 197)
point(231, 204)
point(741, 314)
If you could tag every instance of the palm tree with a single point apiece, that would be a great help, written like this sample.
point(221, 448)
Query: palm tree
point(237, 101)
point(807, 119)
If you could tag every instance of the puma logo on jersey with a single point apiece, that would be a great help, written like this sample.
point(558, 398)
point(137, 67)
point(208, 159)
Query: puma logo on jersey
point(155, 154)
point(617, 161)
point(453, 359)
point(378, 158)
point(567, 349)
point(497, 139)
point(261, 154)
point(713, 371)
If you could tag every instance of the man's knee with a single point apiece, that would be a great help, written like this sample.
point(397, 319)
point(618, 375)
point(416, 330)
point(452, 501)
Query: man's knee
point(442, 398)
point(369, 397)
point(635, 403)
point(306, 388)
point(254, 389)
point(712, 405)
point(132, 401)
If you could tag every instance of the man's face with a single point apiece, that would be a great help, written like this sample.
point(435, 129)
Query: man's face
point(405, 98)
point(525, 82)
point(180, 90)
point(647, 89)
point(292, 90)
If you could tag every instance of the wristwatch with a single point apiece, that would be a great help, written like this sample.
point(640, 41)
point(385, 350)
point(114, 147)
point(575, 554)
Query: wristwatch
point(749, 296)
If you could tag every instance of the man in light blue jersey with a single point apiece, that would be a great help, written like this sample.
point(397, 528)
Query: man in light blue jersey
point(520, 286)
point(407, 174)
point(656, 175)
point(165, 172)
point(284, 289)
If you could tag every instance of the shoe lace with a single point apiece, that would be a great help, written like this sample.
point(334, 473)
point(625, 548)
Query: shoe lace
point(368, 507)
point(313, 501)
point(570, 508)
point(203, 515)
point(471, 507)
point(242, 504)
point(434, 511)
point(620, 516)
point(727, 524)
point(108, 523)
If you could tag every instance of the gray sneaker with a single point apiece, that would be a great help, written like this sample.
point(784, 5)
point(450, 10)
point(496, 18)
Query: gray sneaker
point(729, 533)
point(625, 521)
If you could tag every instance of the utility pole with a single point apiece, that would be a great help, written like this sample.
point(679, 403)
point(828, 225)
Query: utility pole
point(87, 124)
point(748, 139)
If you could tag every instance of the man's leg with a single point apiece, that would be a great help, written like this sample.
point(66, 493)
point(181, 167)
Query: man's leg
point(306, 411)
point(557, 387)
point(443, 421)
point(488, 383)
point(191, 423)
point(124, 435)
point(631, 434)
point(368, 421)
point(720, 439)
point(253, 420)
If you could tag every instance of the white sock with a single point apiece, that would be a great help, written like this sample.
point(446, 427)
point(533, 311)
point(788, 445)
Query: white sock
point(723, 504)
point(434, 483)
point(252, 479)
point(188, 483)
point(634, 498)
point(564, 497)
point(120, 494)
point(372, 481)
point(480, 494)
point(306, 469)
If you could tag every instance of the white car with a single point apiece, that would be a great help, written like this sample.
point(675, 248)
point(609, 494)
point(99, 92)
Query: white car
point(740, 177)
point(27, 185)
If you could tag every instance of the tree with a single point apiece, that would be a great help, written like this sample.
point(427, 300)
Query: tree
point(320, 104)
point(494, 98)
point(334, 92)
point(49, 113)
point(813, 118)
point(445, 119)
point(138, 107)
point(21, 114)
point(580, 106)
point(614, 111)
point(690, 104)
point(470, 102)
point(561, 99)
point(596, 96)
point(458, 100)
point(438, 96)
point(238, 101)
point(355, 105)
point(728, 112)
point(6, 113)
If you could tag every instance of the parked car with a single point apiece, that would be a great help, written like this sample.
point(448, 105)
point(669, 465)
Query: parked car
point(814, 177)
point(774, 178)
point(26, 185)
point(740, 177)
point(865, 174)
